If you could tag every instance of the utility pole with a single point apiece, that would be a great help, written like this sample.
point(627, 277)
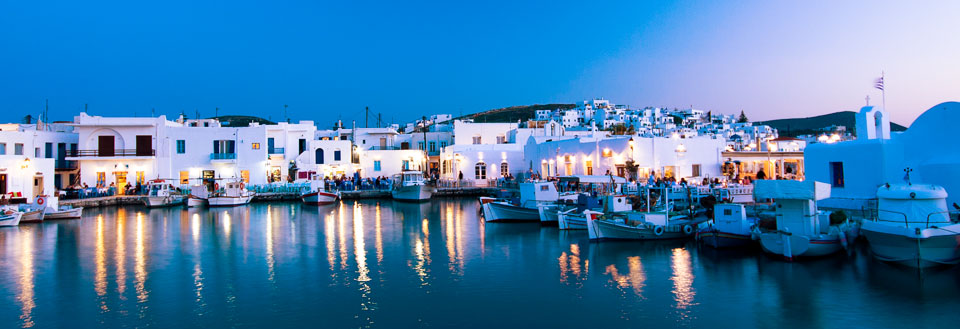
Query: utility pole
point(379, 119)
point(285, 113)
point(426, 156)
point(216, 112)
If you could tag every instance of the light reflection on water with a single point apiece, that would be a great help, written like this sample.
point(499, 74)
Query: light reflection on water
point(370, 264)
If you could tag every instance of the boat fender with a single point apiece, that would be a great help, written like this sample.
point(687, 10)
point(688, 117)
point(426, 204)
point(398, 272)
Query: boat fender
point(241, 186)
point(216, 186)
point(687, 229)
point(658, 230)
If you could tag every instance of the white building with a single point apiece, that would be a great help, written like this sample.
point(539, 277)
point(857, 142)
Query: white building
point(210, 152)
point(285, 142)
point(855, 169)
point(33, 158)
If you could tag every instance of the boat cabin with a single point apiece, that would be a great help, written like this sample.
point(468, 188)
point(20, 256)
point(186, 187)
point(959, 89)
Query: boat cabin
point(590, 183)
point(410, 177)
point(915, 206)
point(541, 191)
point(159, 187)
point(796, 207)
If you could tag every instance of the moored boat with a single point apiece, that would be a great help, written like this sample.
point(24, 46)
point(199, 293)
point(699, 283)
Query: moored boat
point(317, 195)
point(410, 186)
point(161, 193)
point(198, 196)
point(527, 207)
point(801, 230)
point(730, 228)
point(10, 217)
point(53, 209)
point(232, 193)
point(913, 227)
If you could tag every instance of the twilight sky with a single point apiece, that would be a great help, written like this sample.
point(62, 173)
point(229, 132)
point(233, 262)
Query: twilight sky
point(326, 60)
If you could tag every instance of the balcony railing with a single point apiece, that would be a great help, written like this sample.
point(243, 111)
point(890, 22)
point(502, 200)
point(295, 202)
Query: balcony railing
point(223, 156)
point(380, 148)
point(113, 153)
point(275, 150)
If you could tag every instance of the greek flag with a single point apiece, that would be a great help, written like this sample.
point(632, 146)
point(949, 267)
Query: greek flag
point(879, 83)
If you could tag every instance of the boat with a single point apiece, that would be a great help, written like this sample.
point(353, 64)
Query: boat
point(526, 207)
point(730, 228)
point(198, 196)
point(801, 229)
point(619, 222)
point(574, 218)
point(53, 209)
point(33, 213)
point(410, 186)
point(318, 195)
point(10, 217)
point(913, 227)
point(161, 193)
point(232, 193)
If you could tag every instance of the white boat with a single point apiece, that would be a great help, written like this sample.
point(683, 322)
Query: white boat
point(10, 217)
point(317, 195)
point(410, 186)
point(527, 207)
point(913, 227)
point(233, 193)
point(619, 222)
point(53, 209)
point(161, 193)
point(730, 228)
point(572, 220)
point(198, 196)
point(802, 230)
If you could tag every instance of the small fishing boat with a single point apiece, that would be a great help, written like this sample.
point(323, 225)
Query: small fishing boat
point(33, 213)
point(161, 193)
point(10, 217)
point(410, 186)
point(198, 196)
point(572, 220)
point(232, 193)
point(619, 222)
point(318, 195)
point(53, 209)
point(801, 230)
point(527, 207)
point(730, 228)
point(913, 227)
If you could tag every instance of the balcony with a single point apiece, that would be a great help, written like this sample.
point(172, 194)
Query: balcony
point(383, 148)
point(112, 153)
point(223, 156)
point(275, 150)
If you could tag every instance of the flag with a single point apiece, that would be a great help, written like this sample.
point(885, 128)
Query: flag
point(879, 83)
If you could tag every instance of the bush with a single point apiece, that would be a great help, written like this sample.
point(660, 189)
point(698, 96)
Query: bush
point(838, 217)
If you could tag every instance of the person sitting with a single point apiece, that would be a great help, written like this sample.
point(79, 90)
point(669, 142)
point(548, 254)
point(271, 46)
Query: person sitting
point(761, 174)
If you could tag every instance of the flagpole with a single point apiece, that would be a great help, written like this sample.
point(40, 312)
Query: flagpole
point(883, 92)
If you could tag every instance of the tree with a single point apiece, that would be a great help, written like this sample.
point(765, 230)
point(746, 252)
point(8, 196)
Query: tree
point(28, 119)
point(743, 117)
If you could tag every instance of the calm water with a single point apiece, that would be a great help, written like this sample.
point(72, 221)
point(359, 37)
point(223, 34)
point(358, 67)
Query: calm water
point(386, 264)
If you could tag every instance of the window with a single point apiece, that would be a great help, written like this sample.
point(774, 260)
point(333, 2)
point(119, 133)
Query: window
point(245, 175)
point(695, 172)
point(836, 174)
point(476, 139)
point(420, 146)
point(589, 165)
point(255, 146)
point(48, 150)
point(376, 165)
point(443, 144)
point(318, 156)
point(501, 139)
point(406, 164)
point(270, 145)
point(144, 145)
point(224, 147)
point(3, 148)
point(181, 146)
point(101, 179)
point(504, 169)
point(36, 152)
point(480, 170)
point(336, 155)
point(433, 146)
point(303, 146)
point(184, 177)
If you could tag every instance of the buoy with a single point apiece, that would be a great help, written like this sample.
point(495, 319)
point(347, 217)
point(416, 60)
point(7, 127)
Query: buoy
point(687, 229)
point(658, 230)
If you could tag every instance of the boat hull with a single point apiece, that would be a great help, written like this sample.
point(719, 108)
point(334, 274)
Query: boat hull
point(717, 239)
point(162, 201)
point(228, 201)
point(502, 212)
point(548, 214)
point(912, 247)
point(10, 220)
point(35, 216)
point(319, 198)
point(616, 230)
point(790, 246)
point(196, 202)
point(73, 213)
point(416, 193)
point(571, 221)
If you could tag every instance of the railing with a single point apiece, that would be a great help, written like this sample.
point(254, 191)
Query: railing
point(112, 153)
point(223, 156)
point(64, 164)
point(454, 183)
point(382, 148)
point(275, 150)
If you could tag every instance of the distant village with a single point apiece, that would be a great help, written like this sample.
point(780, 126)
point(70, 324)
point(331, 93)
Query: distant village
point(596, 137)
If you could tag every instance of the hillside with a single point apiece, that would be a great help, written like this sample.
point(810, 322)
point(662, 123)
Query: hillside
point(241, 120)
point(514, 113)
point(801, 126)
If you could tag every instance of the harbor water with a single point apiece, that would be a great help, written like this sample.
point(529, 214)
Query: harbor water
point(386, 264)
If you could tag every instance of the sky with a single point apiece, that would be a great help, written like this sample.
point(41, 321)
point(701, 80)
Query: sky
point(405, 59)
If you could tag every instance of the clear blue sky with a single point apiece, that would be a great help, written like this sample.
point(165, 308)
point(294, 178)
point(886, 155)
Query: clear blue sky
point(407, 59)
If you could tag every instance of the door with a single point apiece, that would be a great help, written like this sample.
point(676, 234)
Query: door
point(208, 180)
point(121, 181)
point(3, 184)
point(105, 146)
point(37, 185)
point(383, 143)
point(144, 145)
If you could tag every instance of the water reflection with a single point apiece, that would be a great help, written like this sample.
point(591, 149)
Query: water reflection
point(120, 254)
point(571, 265)
point(140, 263)
point(635, 279)
point(26, 282)
point(682, 279)
point(100, 260)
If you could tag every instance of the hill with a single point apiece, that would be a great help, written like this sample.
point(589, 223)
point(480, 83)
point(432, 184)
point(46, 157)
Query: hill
point(514, 113)
point(241, 120)
point(801, 126)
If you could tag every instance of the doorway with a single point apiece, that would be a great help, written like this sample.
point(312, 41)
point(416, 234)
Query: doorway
point(208, 179)
point(3, 184)
point(37, 185)
point(121, 181)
